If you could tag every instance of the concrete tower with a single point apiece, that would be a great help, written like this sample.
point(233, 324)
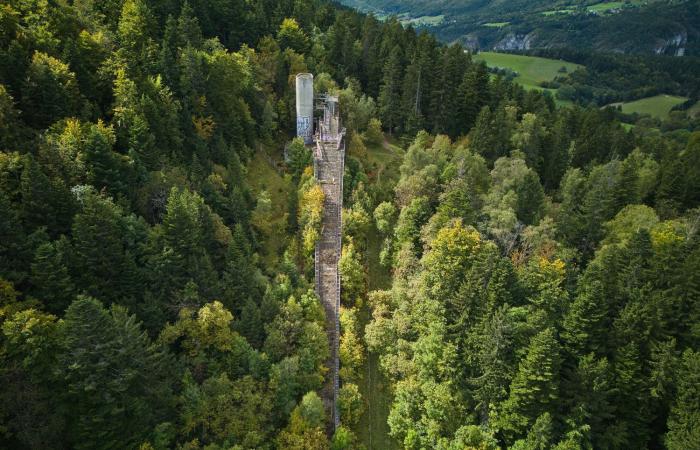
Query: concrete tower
point(305, 106)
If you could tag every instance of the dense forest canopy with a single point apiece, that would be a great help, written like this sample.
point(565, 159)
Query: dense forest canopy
point(156, 293)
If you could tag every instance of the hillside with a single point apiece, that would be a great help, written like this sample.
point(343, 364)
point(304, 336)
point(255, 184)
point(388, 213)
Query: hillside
point(460, 262)
point(670, 27)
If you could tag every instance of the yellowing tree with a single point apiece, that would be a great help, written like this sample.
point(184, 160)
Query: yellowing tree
point(310, 211)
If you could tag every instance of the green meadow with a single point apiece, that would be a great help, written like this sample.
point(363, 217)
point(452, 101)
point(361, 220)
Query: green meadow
point(532, 70)
point(658, 106)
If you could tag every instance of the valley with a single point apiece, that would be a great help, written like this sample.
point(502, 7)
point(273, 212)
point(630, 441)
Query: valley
point(672, 27)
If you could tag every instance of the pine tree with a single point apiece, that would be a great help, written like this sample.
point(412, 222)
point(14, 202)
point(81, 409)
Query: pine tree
point(555, 156)
point(534, 389)
point(238, 279)
point(45, 202)
point(671, 184)
point(690, 161)
point(539, 437)
point(583, 325)
point(591, 390)
point(103, 266)
point(50, 91)
point(50, 277)
point(15, 251)
point(684, 418)
point(290, 35)
point(30, 404)
point(494, 362)
point(530, 199)
point(115, 378)
point(188, 30)
point(137, 49)
point(490, 137)
point(180, 257)
point(446, 98)
point(107, 169)
point(390, 109)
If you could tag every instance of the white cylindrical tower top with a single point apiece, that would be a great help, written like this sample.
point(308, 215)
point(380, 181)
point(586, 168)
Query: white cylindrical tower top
point(305, 106)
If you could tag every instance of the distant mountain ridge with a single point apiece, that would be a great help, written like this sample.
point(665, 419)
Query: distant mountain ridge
point(665, 27)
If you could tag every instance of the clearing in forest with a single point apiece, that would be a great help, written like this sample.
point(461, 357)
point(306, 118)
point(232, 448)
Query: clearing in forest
point(531, 70)
point(658, 106)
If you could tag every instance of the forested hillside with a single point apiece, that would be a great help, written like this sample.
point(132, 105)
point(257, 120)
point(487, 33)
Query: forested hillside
point(667, 27)
point(158, 224)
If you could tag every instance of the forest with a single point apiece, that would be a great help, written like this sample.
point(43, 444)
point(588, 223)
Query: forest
point(636, 27)
point(542, 261)
point(609, 77)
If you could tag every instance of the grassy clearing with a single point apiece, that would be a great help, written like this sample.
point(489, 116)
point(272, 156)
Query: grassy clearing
point(658, 106)
point(372, 430)
point(694, 110)
point(532, 70)
point(423, 21)
point(598, 8)
point(262, 176)
point(406, 19)
point(383, 162)
point(605, 6)
point(558, 11)
point(496, 24)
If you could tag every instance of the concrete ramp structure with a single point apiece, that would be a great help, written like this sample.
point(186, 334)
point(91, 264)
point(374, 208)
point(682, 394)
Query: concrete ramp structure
point(329, 166)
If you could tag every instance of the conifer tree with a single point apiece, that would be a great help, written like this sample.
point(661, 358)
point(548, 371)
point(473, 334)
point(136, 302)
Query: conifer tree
point(390, 109)
point(446, 99)
point(30, 407)
point(490, 136)
point(535, 387)
point(15, 251)
point(238, 280)
point(103, 265)
point(183, 256)
point(45, 202)
point(115, 378)
point(50, 91)
point(50, 277)
point(684, 418)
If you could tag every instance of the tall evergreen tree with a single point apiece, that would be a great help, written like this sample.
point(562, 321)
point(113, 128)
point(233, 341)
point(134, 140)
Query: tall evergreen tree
point(50, 277)
point(116, 380)
point(390, 109)
point(104, 263)
point(535, 387)
point(684, 419)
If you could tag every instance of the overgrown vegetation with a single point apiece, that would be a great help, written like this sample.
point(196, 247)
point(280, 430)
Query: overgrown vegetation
point(159, 222)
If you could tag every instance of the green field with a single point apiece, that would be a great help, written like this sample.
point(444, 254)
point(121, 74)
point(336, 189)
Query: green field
point(606, 6)
point(496, 24)
point(532, 70)
point(658, 106)
point(558, 11)
point(598, 8)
